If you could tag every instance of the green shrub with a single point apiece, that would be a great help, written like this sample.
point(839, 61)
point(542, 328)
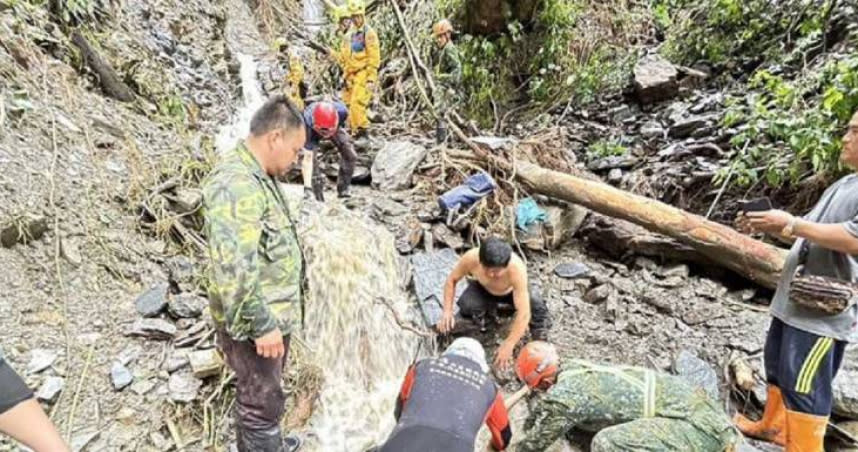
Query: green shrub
point(793, 127)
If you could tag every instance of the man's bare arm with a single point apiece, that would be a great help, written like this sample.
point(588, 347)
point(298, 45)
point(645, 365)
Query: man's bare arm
point(521, 300)
point(833, 236)
point(466, 264)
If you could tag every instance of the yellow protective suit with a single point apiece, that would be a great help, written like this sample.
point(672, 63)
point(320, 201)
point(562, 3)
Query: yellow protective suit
point(293, 81)
point(361, 58)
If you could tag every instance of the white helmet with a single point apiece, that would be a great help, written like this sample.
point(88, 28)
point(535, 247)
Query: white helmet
point(470, 348)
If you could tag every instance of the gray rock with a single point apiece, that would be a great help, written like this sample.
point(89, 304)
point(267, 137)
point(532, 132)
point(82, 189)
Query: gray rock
point(129, 354)
point(153, 301)
point(186, 200)
point(442, 234)
point(181, 271)
point(598, 294)
point(158, 329)
point(395, 163)
point(70, 248)
point(655, 79)
point(176, 363)
point(142, 387)
point(205, 363)
point(652, 130)
point(612, 162)
point(187, 306)
point(615, 176)
point(23, 230)
point(680, 270)
point(620, 113)
point(493, 143)
point(384, 208)
point(50, 389)
point(41, 359)
point(81, 440)
point(430, 270)
point(697, 372)
point(845, 386)
point(183, 387)
point(120, 376)
point(572, 270)
point(685, 126)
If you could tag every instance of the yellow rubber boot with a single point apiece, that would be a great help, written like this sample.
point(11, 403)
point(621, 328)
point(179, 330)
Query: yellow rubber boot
point(772, 426)
point(805, 432)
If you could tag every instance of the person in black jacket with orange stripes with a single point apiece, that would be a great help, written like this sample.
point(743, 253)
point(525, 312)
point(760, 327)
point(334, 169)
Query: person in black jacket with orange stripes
point(443, 401)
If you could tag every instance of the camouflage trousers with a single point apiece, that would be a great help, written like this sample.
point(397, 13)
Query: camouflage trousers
point(655, 435)
point(260, 400)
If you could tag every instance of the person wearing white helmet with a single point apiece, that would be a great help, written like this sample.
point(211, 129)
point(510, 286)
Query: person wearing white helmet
point(443, 401)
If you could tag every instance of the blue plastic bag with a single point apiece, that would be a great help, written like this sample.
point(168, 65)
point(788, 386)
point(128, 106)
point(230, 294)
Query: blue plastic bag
point(527, 213)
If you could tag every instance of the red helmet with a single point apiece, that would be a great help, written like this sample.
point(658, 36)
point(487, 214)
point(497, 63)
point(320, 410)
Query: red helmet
point(325, 117)
point(537, 364)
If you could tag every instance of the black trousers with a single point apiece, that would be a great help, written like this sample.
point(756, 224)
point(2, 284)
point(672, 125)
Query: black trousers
point(348, 157)
point(13, 390)
point(476, 303)
point(803, 365)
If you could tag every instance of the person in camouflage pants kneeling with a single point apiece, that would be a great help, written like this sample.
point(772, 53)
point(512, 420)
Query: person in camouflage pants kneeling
point(633, 409)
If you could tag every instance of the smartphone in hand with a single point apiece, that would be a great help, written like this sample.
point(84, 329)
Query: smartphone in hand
point(755, 205)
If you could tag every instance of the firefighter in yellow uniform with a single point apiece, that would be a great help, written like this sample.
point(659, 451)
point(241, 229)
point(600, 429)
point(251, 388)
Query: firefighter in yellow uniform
point(361, 57)
point(340, 16)
point(295, 80)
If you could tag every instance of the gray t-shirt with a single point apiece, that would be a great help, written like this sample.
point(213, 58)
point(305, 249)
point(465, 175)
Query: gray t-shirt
point(839, 204)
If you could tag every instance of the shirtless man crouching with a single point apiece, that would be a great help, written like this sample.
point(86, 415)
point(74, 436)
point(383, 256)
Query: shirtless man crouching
point(498, 285)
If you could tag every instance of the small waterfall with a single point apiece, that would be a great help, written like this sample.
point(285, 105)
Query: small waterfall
point(252, 99)
point(314, 16)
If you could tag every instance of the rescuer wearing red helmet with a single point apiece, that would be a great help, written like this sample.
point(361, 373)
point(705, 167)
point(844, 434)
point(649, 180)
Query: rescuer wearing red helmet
point(326, 121)
point(641, 408)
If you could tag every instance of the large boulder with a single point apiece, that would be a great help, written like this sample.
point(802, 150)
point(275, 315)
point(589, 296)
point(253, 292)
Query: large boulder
point(845, 386)
point(655, 79)
point(395, 164)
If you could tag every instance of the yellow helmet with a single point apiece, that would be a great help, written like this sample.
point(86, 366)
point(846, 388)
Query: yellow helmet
point(339, 12)
point(356, 7)
point(278, 44)
point(441, 27)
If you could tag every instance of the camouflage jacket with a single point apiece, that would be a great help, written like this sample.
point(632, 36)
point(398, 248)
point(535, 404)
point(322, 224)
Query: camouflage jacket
point(593, 397)
point(256, 262)
point(448, 66)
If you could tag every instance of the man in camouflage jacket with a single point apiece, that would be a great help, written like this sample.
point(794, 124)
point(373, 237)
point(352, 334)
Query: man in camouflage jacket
point(448, 73)
point(636, 409)
point(256, 268)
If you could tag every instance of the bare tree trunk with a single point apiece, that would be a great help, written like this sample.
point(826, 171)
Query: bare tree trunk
point(751, 258)
point(110, 82)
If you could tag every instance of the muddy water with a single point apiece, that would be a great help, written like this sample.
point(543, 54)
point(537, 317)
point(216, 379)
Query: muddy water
point(351, 262)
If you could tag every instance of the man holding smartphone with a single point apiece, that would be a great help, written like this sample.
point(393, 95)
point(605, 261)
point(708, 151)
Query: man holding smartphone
point(804, 348)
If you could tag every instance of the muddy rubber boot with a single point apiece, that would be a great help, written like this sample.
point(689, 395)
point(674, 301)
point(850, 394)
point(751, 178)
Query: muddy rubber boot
point(772, 426)
point(805, 432)
point(269, 440)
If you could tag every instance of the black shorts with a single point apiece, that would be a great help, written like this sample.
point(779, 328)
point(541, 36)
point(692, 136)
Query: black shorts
point(13, 390)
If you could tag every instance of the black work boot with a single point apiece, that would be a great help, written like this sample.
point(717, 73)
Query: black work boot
point(268, 440)
point(441, 131)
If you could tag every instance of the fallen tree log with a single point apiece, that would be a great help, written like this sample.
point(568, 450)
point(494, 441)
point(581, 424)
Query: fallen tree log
point(110, 82)
point(621, 239)
point(751, 258)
